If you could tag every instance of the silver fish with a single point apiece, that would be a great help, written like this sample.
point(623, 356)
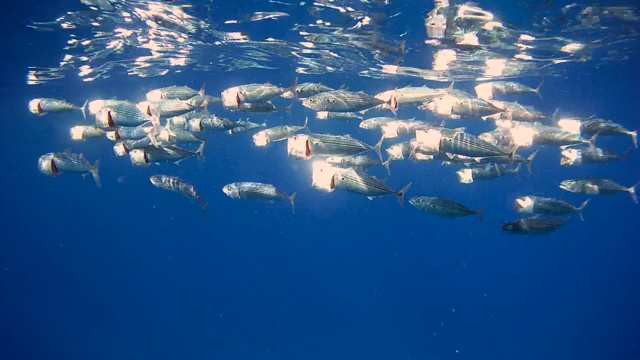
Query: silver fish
point(157, 154)
point(305, 146)
point(489, 172)
point(598, 186)
point(83, 132)
point(54, 164)
point(123, 148)
point(42, 106)
point(245, 125)
point(122, 115)
point(531, 205)
point(166, 108)
point(174, 92)
point(376, 122)
point(599, 126)
point(172, 135)
point(210, 122)
point(443, 207)
point(250, 93)
point(257, 191)
point(264, 107)
point(592, 155)
point(341, 101)
point(325, 115)
point(358, 182)
point(534, 226)
point(305, 90)
point(489, 90)
point(175, 184)
point(265, 137)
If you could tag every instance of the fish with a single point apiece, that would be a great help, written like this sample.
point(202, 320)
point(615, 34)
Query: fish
point(211, 122)
point(513, 111)
point(264, 137)
point(122, 115)
point(130, 133)
point(84, 132)
point(443, 207)
point(489, 172)
point(375, 123)
point(325, 115)
point(554, 136)
point(409, 95)
point(54, 164)
point(534, 226)
point(489, 90)
point(171, 135)
point(604, 127)
point(257, 191)
point(592, 155)
point(253, 93)
point(263, 107)
point(531, 205)
point(42, 106)
point(305, 146)
point(305, 90)
point(245, 125)
point(175, 184)
point(123, 147)
point(157, 154)
point(166, 108)
point(598, 186)
point(341, 101)
point(361, 183)
point(174, 92)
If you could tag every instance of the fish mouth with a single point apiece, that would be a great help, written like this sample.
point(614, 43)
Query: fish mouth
point(307, 149)
point(332, 184)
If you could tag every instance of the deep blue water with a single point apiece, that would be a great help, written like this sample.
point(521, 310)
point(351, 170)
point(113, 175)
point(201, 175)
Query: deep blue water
point(127, 271)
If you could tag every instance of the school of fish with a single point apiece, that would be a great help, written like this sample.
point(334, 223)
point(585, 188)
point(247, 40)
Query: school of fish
point(172, 123)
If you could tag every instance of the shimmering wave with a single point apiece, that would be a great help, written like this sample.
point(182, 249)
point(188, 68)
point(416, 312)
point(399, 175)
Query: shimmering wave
point(153, 38)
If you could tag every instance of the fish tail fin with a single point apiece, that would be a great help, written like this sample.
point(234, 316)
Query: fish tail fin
point(402, 192)
point(480, 214)
point(517, 170)
point(85, 107)
point(537, 90)
point(632, 192)
point(95, 173)
point(201, 91)
point(592, 141)
point(580, 210)
point(450, 88)
point(554, 117)
point(530, 160)
point(512, 154)
point(288, 109)
point(200, 151)
point(634, 138)
point(292, 198)
point(386, 165)
point(153, 138)
point(293, 87)
point(378, 147)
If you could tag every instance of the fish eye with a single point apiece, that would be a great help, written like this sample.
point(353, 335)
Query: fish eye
point(332, 100)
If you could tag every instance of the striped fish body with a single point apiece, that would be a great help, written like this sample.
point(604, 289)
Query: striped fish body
point(83, 132)
point(243, 126)
point(202, 102)
point(462, 143)
point(257, 191)
point(598, 186)
point(172, 135)
point(375, 123)
point(516, 112)
point(166, 108)
point(278, 133)
point(594, 126)
point(153, 154)
point(210, 123)
point(255, 107)
point(360, 183)
point(324, 115)
point(474, 108)
point(96, 105)
point(122, 148)
point(54, 164)
point(177, 185)
point(42, 106)
point(306, 90)
point(258, 92)
point(443, 207)
point(510, 88)
point(121, 115)
point(172, 92)
point(355, 161)
point(341, 101)
point(491, 171)
point(133, 133)
point(553, 136)
point(534, 226)
point(412, 95)
point(552, 207)
point(327, 144)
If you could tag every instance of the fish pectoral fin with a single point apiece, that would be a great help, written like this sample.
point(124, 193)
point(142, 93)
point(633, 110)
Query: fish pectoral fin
point(370, 197)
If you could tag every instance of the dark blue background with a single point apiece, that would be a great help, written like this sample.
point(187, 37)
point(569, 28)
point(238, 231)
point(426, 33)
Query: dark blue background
point(127, 271)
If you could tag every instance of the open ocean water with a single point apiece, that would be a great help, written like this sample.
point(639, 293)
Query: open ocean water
point(128, 271)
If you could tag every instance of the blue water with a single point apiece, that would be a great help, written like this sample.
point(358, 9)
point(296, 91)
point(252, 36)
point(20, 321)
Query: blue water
point(127, 271)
